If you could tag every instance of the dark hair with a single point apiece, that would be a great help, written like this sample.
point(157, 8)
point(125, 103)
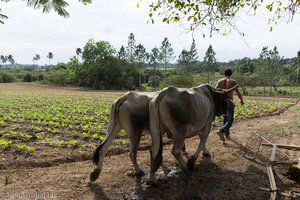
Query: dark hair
point(227, 72)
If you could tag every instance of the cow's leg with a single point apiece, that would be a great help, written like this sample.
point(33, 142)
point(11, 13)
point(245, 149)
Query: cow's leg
point(101, 151)
point(205, 151)
point(203, 137)
point(179, 137)
point(134, 138)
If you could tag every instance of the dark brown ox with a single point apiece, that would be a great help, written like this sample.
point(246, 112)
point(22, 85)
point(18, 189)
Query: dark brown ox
point(131, 113)
point(183, 113)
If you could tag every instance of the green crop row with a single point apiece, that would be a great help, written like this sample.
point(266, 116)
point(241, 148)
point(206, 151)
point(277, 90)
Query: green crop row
point(79, 119)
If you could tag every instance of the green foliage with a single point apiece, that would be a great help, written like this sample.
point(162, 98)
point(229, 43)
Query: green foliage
point(59, 77)
point(166, 54)
point(6, 77)
point(79, 120)
point(27, 77)
point(8, 180)
point(154, 81)
point(26, 148)
point(6, 143)
point(216, 16)
point(179, 80)
point(209, 62)
point(188, 58)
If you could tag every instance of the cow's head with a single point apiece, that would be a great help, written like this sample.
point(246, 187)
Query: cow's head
point(225, 102)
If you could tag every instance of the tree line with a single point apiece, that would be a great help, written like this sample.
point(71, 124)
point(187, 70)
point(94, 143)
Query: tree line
point(99, 65)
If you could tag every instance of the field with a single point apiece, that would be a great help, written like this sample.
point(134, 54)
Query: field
point(49, 128)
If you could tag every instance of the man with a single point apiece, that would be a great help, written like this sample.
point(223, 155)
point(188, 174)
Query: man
point(226, 83)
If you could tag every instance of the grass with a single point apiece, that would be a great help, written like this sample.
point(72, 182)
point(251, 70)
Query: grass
point(281, 91)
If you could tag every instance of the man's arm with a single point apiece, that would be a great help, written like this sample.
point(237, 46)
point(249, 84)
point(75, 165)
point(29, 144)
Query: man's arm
point(239, 95)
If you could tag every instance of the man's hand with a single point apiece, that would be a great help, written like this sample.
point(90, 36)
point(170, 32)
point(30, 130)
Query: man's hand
point(242, 103)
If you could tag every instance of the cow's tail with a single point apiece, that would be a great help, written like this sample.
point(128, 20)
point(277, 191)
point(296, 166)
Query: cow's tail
point(113, 129)
point(156, 132)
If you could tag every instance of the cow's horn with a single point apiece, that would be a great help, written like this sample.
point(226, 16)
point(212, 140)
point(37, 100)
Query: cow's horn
point(231, 89)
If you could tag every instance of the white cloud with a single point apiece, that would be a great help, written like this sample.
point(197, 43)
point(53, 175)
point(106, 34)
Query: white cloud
point(28, 32)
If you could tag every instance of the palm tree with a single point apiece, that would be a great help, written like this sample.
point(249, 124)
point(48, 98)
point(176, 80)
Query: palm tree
point(36, 58)
point(3, 59)
point(10, 59)
point(78, 52)
point(50, 56)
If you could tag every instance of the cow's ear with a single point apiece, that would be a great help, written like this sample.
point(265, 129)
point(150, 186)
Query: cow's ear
point(229, 103)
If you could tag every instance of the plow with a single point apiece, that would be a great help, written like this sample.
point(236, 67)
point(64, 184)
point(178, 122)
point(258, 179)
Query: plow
point(293, 164)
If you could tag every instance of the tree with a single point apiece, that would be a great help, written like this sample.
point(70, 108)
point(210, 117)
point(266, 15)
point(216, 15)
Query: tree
point(78, 52)
point(100, 66)
point(218, 15)
point(36, 58)
point(50, 56)
point(188, 58)
point(47, 6)
point(3, 58)
point(10, 59)
point(268, 67)
point(298, 57)
point(154, 61)
point(130, 49)
point(209, 62)
point(141, 57)
point(298, 67)
point(122, 53)
point(166, 53)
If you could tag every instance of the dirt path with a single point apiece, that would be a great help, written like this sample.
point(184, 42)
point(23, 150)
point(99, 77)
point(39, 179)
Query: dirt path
point(227, 174)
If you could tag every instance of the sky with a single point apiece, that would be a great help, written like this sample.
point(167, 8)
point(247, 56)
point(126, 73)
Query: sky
point(28, 32)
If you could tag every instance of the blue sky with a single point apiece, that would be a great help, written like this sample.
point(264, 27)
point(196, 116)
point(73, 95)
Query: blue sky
point(28, 32)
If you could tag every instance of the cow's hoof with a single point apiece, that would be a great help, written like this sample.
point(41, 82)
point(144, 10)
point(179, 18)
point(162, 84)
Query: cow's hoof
point(152, 180)
point(135, 174)
point(206, 154)
point(94, 175)
point(139, 173)
point(191, 163)
point(221, 135)
point(153, 183)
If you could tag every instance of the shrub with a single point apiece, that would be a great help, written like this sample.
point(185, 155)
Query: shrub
point(27, 77)
point(40, 77)
point(7, 77)
point(179, 80)
point(154, 81)
point(45, 82)
point(59, 77)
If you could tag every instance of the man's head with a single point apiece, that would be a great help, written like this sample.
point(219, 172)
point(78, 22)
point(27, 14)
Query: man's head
point(228, 72)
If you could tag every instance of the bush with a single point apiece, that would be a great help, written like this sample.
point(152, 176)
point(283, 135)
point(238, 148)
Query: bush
point(45, 82)
point(179, 80)
point(27, 77)
point(7, 77)
point(154, 81)
point(40, 77)
point(59, 77)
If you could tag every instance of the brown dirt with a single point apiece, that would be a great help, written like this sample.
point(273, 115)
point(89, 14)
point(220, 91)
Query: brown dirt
point(227, 174)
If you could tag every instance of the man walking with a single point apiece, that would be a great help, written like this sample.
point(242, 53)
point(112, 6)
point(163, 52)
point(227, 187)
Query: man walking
point(227, 83)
